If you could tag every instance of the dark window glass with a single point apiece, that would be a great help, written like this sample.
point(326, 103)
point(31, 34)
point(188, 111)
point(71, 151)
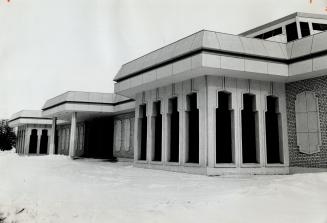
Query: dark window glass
point(320, 27)
point(193, 129)
point(272, 131)
point(157, 131)
point(174, 131)
point(269, 34)
point(143, 122)
point(291, 32)
point(249, 130)
point(305, 30)
point(224, 153)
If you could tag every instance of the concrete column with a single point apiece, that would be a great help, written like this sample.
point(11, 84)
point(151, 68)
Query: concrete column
point(202, 106)
point(212, 105)
point(39, 133)
point(22, 143)
point(182, 129)
point(136, 133)
point(163, 112)
point(261, 132)
point(27, 141)
point(18, 141)
point(48, 146)
point(165, 132)
point(150, 128)
point(72, 140)
point(298, 28)
point(53, 136)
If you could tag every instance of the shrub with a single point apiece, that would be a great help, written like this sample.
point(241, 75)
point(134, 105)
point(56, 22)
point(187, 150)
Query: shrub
point(7, 137)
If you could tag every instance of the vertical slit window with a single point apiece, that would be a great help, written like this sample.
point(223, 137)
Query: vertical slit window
point(224, 140)
point(143, 135)
point(33, 141)
point(157, 118)
point(273, 129)
point(173, 129)
point(44, 142)
point(250, 137)
point(192, 121)
point(305, 30)
point(291, 32)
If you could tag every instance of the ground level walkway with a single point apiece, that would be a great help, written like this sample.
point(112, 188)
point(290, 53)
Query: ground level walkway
point(58, 189)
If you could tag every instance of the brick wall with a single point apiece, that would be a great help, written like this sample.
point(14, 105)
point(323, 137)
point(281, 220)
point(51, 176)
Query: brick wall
point(319, 86)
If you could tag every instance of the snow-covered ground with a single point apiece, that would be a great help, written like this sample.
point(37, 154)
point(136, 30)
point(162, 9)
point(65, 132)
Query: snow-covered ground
point(57, 189)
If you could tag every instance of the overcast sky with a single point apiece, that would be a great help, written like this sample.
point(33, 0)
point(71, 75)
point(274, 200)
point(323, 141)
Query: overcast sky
point(48, 47)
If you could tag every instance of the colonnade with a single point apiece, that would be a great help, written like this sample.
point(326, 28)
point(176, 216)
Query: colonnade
point(67, 139)
point(212, 122)
point(32, 140)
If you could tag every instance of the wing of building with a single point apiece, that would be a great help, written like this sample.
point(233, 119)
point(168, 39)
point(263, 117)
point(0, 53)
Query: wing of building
point(211, 103)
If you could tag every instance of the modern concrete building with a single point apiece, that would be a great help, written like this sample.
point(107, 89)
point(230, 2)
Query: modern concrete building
point(211, 103)
point(32, 132)
point(88, 130)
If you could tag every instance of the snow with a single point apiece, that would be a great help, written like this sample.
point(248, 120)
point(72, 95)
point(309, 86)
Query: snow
point(58, 189)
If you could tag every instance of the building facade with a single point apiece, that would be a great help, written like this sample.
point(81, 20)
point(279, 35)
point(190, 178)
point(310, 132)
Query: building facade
point(32, 132)
point(211, 103)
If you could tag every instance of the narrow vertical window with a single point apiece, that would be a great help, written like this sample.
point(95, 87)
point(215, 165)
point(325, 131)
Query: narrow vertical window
point(157, 118)
point(250, 147)
point(56, 141)
point(273, 142)
point(192, 122)
point(143, 129)
point(173, 119)
point(291, 32)
point(305, 30)
point(33, 141)
point(44, 142)
point(224, 143)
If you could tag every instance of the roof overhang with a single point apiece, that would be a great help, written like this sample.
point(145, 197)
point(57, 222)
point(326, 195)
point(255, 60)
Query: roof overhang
point(227, 55)
point(26, 117)
point(201, 64)
point(88, 105)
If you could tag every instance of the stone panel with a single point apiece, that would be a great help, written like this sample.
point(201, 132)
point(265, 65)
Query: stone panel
point(319, 87)
point(123, 135)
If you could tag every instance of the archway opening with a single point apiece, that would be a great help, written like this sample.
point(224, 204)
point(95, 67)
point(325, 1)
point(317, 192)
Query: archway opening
point(250, 138)
point(33, 142)
point(173, 129)
point(192, 129)
point(224, 140)
point(44, 142)
point(157, 131)
point(273, 142)
point(56, 141)
point(143, 132)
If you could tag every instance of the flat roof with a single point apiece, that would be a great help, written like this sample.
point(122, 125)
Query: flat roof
point(285, 18)
point(28, 117)
point(81, 97)
point(87, 104)
point(205, 40)
point(233, 46)
point(36, 114)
